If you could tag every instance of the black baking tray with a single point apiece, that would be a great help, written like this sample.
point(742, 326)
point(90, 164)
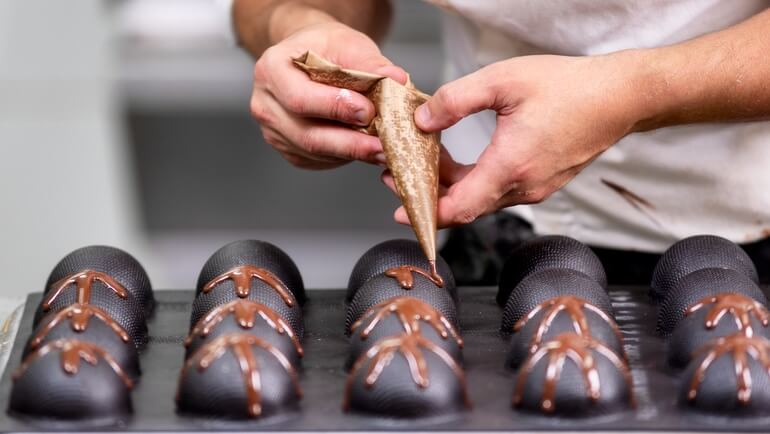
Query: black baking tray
point(323, 377)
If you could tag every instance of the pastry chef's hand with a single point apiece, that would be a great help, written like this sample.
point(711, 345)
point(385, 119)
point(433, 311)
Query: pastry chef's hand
point(555, 114)
point(302, 119)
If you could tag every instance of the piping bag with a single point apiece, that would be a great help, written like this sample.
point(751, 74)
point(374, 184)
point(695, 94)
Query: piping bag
point(412, 155)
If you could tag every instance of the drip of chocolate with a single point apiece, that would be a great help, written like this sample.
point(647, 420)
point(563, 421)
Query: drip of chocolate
point(410, 346)
point(241, 346)
point(241, 277)
point(740, 347)
point(245, 313)
point(71, 352)
point(741, 307)
point(83, 281)
point(403, 274)
point(410, 312)
point(79, 316)
point(577, 348)
point(574, 307)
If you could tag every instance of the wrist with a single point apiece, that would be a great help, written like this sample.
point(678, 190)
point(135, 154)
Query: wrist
point(290, 17)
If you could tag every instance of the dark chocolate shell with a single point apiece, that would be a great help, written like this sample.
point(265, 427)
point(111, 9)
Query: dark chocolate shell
point(576, 390)
point(381, 288)
point(400, 390)
point(395, 253)
point(725, 315)
point(600, 327)
point(546, 253)
point(224, 387)
point(258, 254)
point(273, 329)
point(97, 331)
point(392, 318)
point(698, 285)
point(696, 253)
point(112, 261)
point(545, 285)
point(95, 392)
point(714, 383)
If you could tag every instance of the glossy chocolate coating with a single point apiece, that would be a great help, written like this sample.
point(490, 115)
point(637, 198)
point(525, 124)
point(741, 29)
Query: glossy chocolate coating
point(258, 254)
point(696, 253)
point(393, 253)
point(699, 284)
point(547, 253)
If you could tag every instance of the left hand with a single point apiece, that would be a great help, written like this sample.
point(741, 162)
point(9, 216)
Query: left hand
point(555, 114)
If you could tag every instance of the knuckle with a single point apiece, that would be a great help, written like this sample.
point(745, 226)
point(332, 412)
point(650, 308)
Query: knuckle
point(260, 112)
point(308, 140)
point(449, 101)
point(295, 102)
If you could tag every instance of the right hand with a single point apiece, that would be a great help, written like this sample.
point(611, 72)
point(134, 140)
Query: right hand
point(302, 119)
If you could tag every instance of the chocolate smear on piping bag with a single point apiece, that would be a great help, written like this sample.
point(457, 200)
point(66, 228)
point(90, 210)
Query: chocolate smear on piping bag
point(412, 155)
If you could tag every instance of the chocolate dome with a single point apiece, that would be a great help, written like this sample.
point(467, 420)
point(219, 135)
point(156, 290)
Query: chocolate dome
point(387, 384)
point(545, 285)
point(381, 288)
point(698, 285)
point(238, 376)
point(394, 253)
point(71, 380)
point(258, 254)
point(121, 266)
point(590, 379)
point(562, 315)
point(696, 253)
point(546, 253)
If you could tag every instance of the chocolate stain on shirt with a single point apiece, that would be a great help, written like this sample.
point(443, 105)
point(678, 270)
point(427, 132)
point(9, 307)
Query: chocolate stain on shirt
point(639, 203)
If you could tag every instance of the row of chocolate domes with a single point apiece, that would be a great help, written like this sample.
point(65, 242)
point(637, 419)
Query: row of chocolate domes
point(81, 360)
point(565, 345)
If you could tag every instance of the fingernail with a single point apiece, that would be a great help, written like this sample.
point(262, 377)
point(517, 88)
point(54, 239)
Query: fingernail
point(380, 159)
point(422, 115)
point(361, 118)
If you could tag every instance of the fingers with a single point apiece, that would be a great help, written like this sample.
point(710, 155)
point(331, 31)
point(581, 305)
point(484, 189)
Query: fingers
point(454, 101)
point(394, 72)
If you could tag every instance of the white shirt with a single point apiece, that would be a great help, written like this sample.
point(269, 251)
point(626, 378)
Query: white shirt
point(705, 178)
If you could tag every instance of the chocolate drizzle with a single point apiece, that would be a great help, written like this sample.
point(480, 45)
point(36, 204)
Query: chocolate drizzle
point(409, 345)
point(574, 307)
point(241, 345)
point(241, 277)
point(740, 347)
point(741, 307)
point(83, 281)
point(245, 313)
point(410, 312)
point(579, 349)
point(79, 316)
point(403, 274)
point(71, 352)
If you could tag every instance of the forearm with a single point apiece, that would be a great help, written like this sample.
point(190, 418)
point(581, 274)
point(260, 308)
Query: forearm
point(719, 77)
point(262, 23)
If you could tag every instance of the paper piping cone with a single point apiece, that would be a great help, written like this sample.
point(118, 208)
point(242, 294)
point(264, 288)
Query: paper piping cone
point(412, 155)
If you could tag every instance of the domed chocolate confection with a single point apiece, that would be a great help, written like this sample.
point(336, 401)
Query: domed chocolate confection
point(269, 292)
point(714, 317)
point(698, 285)
point(238, 376)
point(101, 330)
point(382, 287)
point(406, 376)
point(546, 253)
point(573, 375)
point(729, 376)
point(403, 315)
point(560, 315)
point(88, 296)
point(246, 316)
point(696, 253)
point(394, 253)
point(545, 285)
point(257, 254)
point(71, 380)
point(121, 266)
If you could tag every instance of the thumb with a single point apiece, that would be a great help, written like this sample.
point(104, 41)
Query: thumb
point(394, 72)
point(452, 102)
